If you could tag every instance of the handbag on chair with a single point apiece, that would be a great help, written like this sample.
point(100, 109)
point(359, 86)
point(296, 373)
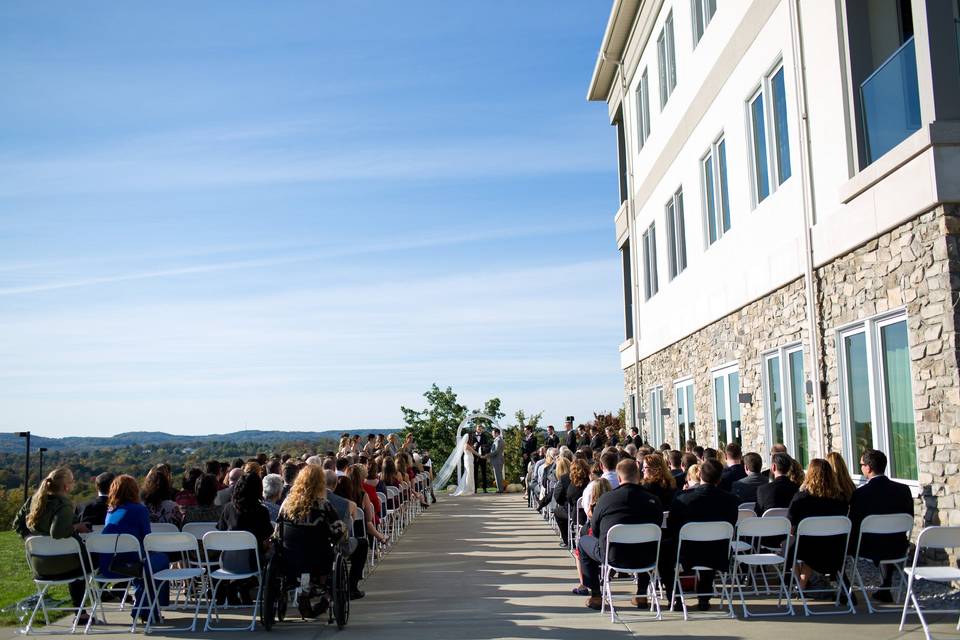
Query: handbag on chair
point(129, 568)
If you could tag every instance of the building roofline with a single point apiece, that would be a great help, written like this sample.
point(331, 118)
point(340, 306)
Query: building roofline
point(615, 36)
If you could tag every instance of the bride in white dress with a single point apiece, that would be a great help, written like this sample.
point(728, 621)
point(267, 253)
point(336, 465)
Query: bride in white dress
point(466, 484)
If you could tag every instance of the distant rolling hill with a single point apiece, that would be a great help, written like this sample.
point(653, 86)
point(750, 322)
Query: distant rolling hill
point(10, 443)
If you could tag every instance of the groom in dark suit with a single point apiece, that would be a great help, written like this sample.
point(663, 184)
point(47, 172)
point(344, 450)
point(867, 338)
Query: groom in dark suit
point(481, 443)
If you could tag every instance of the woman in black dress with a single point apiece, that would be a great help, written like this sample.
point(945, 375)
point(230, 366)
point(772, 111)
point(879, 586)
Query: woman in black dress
point(819, 495)
point(657, 479)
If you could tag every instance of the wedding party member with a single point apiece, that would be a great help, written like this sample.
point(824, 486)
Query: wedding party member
point(481, 446)
point(627, 504)
point(528, 447)
point(551, 440)
point(746, 488)
point(569, 435)
point(778, 493)
point(880, 496)
point(496, 460)
point(50, 513)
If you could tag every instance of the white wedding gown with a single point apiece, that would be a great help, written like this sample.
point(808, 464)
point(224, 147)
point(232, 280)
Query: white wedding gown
point(467, 483)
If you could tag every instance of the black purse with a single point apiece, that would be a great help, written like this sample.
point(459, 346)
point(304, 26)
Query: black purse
point(132, 568)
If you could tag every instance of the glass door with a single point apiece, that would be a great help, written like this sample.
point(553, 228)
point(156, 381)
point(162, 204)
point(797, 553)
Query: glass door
point(726, 406)
point(686, 418)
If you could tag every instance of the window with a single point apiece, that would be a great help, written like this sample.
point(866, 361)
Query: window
point(716, 198)
point(633, 410)
point(767, 111)
point(656, 416)
point(786, 407)
point(703, 11)
point(650, 282)
point(726, 406)
point(643, 109)
point(876, 393)
point(667, 60)
point(686, 417)
point(676, 235)
point(627, 291)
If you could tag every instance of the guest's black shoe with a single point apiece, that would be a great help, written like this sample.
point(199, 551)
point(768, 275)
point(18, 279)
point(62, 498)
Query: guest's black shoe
point(703, 604)
point(356, 594)
point(883, 595)
point(594, 602)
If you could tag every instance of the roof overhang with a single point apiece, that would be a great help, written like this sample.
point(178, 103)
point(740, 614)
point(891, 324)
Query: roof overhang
point(619, 26)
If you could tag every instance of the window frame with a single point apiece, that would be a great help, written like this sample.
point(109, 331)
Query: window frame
point(676, 235)
point(724, 371)
point(626, 260)
point(667, 59)
point(880, 429)
point(701, 19)
point(642, 95)
point(686, 387)
point(786, 399)
point(651, 280)
point(655, 410)
point(764, 90)
point(718, 190)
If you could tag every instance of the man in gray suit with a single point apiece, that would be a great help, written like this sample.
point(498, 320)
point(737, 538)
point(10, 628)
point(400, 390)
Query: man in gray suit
point(496, 460)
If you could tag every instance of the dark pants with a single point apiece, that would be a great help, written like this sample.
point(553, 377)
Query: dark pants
point(357, 561)
point(480, 471)
point(591, 560)
point(560, 515)
point(667, 564)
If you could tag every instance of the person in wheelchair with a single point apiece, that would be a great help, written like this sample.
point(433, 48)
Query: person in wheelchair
point(310, 531)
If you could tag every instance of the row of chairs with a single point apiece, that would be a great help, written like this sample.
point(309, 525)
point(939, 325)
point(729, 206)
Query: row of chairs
point(749, 556)
point(398, 508)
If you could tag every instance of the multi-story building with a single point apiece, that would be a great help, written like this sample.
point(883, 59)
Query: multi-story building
point(789, 177)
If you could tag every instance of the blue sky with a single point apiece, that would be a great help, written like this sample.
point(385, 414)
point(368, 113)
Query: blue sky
point(300, 215)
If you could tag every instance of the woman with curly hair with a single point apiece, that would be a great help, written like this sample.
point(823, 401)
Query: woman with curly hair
point(657, 479)
point(844, 481)
point(819, 495)
point(156, 493)
point(569, 489)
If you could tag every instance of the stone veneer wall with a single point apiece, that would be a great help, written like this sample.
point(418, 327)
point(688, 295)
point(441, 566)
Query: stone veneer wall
point(915, 267)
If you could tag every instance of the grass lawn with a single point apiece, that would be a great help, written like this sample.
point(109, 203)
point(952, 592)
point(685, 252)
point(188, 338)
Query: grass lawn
point(16, 583)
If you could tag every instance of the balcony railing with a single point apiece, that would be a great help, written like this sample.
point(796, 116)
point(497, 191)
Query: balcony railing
point(891, 101)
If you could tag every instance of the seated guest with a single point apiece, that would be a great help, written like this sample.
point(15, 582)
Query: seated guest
point(205, 510)
point(844, 481)
point(567, 495)
point(365, 495)
point(156, 493)
point(657, 478)
point(596, 488)
point(879, 496)
point(746, 488)
point(627, 504)
point(608, 462)
point(272, 488)
point(775, 448)
point(687, 460)
point(127, 515)
point(557, 494)
point(734, 470)
point(49, 512)
point(693, 477)
point(187, 495)
point(675, 462)
point(818, 496)
point(95, 511)
point(779, 493)
point(289, 472)
point(223, 496)
point(700, 452)
point(245, 512)
point(356, 548)
point(705, 503)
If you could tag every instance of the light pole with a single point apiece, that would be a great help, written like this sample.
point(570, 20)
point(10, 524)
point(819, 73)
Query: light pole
point(26, 466)
point(41, 450)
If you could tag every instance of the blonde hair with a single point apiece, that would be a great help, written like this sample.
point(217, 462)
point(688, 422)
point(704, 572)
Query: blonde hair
point(600, 487)
point(308, 491)
point(844, 481)
point(55, 484)
point(563, 467)
point(693, 474)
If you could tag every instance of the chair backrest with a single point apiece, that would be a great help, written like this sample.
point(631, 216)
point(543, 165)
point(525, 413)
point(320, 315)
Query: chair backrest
point(763, 527)
point(776, 512)
point(45, 546)
point(197, 529)
point(170, 542)
point(748, 506)
point(633, 533)
point(887, 523)
point(164, 527)
point(706, 531)
point(383, 503)
point(110, 543)
point(229, 541)
point(97, 528)
point(938, 538)
point(821, 526)
point(744, 514)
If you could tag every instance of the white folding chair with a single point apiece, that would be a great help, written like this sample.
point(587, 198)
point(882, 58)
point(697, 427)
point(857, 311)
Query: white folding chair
point(748, 530)
point(630, 534)
point(940, 539)
point(230, 542)
point(823, 527)
point(393, 498)
point(740, 546)
point(384, 523)
point(877, 524)
point(748, 506)
point(776, 512)
point(167, 543)
point(164, 527)
point(576, 525)
point(196, 529)
point(111, 544)
point(703, 532)
point(37, 547)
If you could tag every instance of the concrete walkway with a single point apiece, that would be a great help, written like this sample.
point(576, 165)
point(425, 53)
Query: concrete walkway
point(486, 566)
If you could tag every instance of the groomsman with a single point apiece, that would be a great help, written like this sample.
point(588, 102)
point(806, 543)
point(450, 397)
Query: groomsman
point(528, 447)
point(570, 434)
point(481, 443)
point(552, 440)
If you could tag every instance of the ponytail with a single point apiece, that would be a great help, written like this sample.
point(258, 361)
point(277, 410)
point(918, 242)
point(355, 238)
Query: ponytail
point(54, 484)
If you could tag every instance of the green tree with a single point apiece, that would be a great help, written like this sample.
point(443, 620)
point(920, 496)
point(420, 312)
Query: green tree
point(435, 427)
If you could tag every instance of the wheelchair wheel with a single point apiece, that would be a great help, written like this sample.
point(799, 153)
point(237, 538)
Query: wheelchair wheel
point(340, 592)
point(274, 597)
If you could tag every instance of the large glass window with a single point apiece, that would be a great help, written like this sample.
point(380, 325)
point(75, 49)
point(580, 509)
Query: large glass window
point(676, 235)
point(643, 110)
point(667, 60)
point(627, 290)
point(650, 281)
point(686, 416)
point(703, 11)
point(726, 406)
point(877, 393)
point(656, 416)
point(769, 135)
point(716, 200)
point(786, 405)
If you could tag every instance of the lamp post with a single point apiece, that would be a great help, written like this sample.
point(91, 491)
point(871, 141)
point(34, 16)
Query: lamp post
point(26, 466)
point(41, 450)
